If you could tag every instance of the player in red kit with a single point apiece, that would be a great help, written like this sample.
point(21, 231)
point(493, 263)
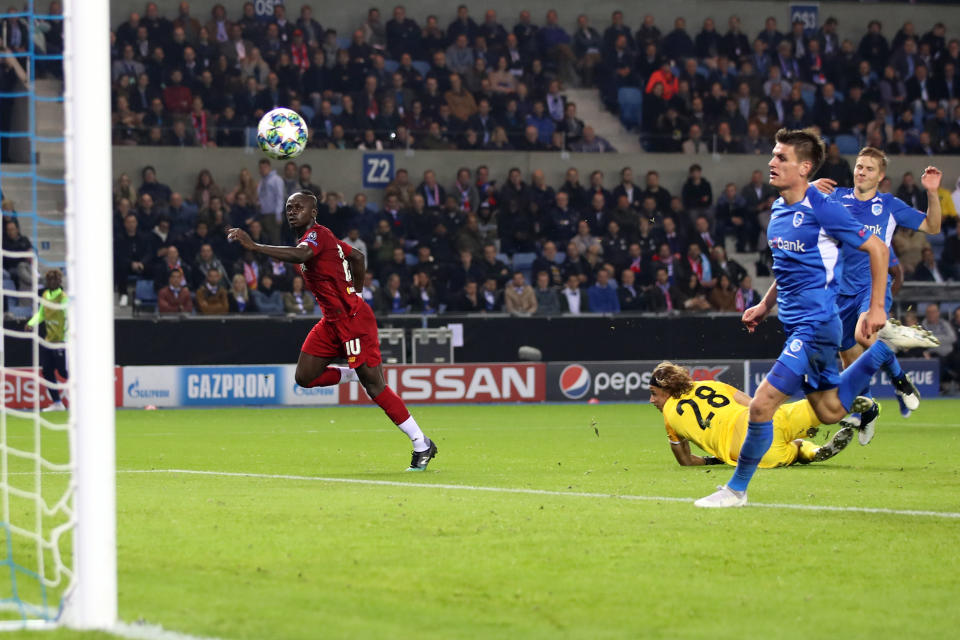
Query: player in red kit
point(333, 271)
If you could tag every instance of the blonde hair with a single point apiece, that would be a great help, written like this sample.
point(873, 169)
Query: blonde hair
point(873, 152)
point(243, 286)
point(672, 378)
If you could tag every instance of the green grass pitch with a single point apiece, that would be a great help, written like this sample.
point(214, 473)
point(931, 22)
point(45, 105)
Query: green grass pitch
point(257, 557)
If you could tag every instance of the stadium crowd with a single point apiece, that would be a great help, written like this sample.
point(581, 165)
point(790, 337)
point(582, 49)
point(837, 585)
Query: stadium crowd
point(518, 245)
point(396, 82)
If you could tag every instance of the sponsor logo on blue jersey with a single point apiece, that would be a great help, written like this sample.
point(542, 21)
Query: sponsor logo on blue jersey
point(796, 246)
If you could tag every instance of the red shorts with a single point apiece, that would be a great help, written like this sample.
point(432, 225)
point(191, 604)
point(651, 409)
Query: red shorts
point(354, 339)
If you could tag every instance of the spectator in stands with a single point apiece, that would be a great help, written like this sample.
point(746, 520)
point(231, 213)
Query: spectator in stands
point(927, 270)
point(239, 299)
point(941, 329)
point(205, 261)
point(266, 298)
point(297, 301)
point(402, 34)
point(175, 297)
point(392, 298)
point(491, 296)
point(602, 294)
point(909, 246)
point(591, 143)
point(723, 297)
point(423, 296)
point(158, 192)
point(468, 300)
point(212, 296)
point(697, 191)
point(950, 260)
point(131, 255)
point(519, 297)
point(693, 294)
point(629, 295)
point(677, 44)
point(21, 269)
point(662, 296)
point(546, 298)
point(270, 194)
point(573, 297)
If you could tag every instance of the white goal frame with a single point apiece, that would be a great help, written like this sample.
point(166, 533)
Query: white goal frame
point(92, 602)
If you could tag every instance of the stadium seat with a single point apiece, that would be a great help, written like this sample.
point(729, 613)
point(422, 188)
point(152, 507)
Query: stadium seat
point(422, 67)
point(343, 42)
point(561, 256)
point(523, 262)
point(336, 109)
point(251, 136)
point(307, 112)
point(390, 65)
point(504, 258)
point(410, 259)
point(145, 297)
point(809, 95)
point(631, 106)
point(849, 145)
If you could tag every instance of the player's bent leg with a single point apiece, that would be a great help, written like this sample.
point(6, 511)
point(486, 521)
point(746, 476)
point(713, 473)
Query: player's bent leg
point(314, 371)
point(837, 443)
point(756, 443)
point(376, 387)
point(848, 356)
point(827, 406)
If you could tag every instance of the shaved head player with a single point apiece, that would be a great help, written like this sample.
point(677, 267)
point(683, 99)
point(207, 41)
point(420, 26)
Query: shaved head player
point(333, 271)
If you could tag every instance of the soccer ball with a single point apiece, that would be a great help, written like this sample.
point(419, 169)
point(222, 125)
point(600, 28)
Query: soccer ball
point(282, 134)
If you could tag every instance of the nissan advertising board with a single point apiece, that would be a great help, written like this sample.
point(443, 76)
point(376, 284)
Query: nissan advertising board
point(458, 383)
point(626, 381)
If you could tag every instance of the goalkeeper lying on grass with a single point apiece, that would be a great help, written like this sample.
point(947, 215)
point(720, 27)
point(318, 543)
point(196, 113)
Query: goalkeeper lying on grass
point(713, 416)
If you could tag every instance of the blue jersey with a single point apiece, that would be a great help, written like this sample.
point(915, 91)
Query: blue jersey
point(805, 239)
point(881, 215)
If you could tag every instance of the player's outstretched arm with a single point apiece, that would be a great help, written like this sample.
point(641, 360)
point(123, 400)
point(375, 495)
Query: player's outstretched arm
point(874, 319)
point(931, 182)
point(825, 185)
point(681, 451)
point(755, 314)
point(297, 255)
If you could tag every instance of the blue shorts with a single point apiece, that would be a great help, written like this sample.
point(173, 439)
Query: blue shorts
point(808, 359)
point(850, 307)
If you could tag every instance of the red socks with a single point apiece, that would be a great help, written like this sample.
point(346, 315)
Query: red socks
point(392, 405)
point(328, 378)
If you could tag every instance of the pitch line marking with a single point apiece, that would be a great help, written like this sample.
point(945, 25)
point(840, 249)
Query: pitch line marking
point(544, 492)
point(146, 631)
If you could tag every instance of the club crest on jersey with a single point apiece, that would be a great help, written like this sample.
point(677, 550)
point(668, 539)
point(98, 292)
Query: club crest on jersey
point(876, 208)
point(798, 218)
point(312, 236)
point(796, 345)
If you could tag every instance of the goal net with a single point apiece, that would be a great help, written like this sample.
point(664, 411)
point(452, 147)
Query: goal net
point(57, 506)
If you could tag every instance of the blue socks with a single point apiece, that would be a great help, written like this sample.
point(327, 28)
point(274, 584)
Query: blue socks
point(758, 440)
point(893, 369)
point(856, 377)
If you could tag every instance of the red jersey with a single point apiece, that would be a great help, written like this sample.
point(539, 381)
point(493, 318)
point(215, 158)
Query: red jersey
point(327, 274)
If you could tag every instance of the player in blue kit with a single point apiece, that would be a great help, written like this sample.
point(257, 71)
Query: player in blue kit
point(881, 213)
point(805, 233)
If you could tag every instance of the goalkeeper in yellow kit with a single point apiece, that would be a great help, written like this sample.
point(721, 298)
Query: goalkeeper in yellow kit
point(714, 416)
point(53, 314)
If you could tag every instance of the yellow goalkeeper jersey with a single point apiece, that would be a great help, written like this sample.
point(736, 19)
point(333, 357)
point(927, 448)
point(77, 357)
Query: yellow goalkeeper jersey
point(708, 417)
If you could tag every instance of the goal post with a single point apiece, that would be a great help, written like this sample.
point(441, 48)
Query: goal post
point(92, 602)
